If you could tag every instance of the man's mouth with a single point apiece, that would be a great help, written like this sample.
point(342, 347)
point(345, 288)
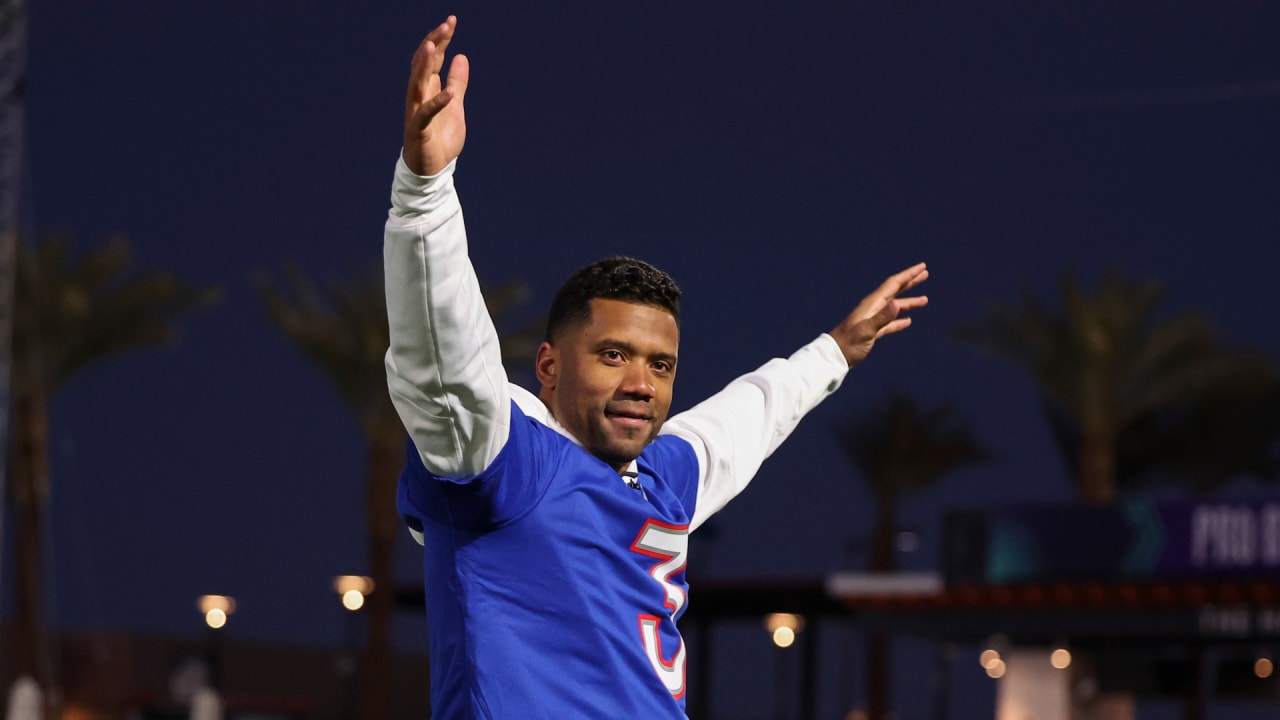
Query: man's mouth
point(628, 418)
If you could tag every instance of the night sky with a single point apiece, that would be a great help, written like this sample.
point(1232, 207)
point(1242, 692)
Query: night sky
point(779, 159)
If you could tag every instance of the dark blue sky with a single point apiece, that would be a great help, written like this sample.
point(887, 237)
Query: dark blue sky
point(777, 158)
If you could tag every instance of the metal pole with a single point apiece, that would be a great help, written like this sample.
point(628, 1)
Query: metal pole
point(13, 52)
point(809, 671)
point(944, 655)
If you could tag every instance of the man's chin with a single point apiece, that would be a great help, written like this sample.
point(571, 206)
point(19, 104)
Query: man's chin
point(620, 448)
point(618, 455)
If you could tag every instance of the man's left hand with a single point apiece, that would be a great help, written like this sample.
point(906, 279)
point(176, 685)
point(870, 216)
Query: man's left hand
point(880, 313)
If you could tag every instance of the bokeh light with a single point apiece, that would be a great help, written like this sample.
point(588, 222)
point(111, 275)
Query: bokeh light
point(352, 590)
point(784, 637)
point(784, 627)
point(1263, 667)
point(353, 600)
point(216, 618)
point(216, 609)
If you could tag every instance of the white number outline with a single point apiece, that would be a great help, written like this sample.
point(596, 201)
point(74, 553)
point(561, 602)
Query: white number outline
point(656, 540)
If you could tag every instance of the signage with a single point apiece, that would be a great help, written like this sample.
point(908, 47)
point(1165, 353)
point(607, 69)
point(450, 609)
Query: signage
point(1133, 540)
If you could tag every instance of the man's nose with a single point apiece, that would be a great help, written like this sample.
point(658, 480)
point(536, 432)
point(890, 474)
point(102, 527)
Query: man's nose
point(637, 383)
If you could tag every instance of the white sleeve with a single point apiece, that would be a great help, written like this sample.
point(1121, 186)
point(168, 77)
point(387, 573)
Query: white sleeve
point(733, 431)
point(444, 366)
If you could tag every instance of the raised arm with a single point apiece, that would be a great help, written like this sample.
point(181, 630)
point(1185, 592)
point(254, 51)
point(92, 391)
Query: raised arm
point(444, 366)
point(735, 430)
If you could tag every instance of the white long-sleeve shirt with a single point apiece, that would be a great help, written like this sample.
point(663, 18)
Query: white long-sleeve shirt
point(447, 382)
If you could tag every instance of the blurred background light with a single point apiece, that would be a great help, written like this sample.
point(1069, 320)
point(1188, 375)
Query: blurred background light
point(784, 627)
point(1263, 667)
point(216, 609)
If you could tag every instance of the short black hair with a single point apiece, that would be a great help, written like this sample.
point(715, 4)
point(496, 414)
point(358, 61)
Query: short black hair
point(614, 278)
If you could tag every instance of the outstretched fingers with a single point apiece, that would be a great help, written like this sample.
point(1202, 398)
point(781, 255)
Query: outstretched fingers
point(420, 79)
point(903, 281)
point(898, 325)
point(459, 76)
point(422, 115)
point(439, 38)
point(888, 320)
point(424, 74)
point(914, 302)
point(892, 319)
point(881, 313)
point(434, 122)
point(459, 72)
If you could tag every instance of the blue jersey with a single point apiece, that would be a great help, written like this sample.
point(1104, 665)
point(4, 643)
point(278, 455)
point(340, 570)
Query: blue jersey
point(553, 585)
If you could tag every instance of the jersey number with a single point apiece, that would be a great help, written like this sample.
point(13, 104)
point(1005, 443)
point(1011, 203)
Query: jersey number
point(670, 545)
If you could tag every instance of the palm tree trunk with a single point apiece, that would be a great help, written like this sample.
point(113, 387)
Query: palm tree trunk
point(1097, 467)
point(384, 462)
point(883, 558)
point(882, 561)
point(1193, 695)
point(29, 487)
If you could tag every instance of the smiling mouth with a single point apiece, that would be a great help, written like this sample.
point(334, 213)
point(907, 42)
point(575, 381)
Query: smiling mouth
point(628, 419)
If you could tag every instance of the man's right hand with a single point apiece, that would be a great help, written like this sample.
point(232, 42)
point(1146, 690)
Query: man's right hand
point(435, 126)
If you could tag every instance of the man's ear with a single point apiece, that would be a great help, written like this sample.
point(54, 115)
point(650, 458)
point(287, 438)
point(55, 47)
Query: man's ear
point(547, 365)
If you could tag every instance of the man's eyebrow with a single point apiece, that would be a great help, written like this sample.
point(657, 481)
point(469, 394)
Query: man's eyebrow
point(615, 343)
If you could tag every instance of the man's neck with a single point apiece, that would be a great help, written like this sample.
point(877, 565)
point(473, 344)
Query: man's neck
point(545, 396)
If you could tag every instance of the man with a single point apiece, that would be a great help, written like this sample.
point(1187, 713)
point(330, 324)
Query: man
point(555, 527)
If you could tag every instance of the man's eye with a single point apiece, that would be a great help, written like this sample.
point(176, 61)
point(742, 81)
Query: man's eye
point(611, 355)
point(662, 366)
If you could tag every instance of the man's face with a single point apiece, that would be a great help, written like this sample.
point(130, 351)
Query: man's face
point(609, 380)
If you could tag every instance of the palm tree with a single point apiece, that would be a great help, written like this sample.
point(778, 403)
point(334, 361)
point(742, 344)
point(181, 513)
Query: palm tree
point(1133, 395)
point(1208, 442)
point(72, 310)
point(900, 450)
point(342, 328)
